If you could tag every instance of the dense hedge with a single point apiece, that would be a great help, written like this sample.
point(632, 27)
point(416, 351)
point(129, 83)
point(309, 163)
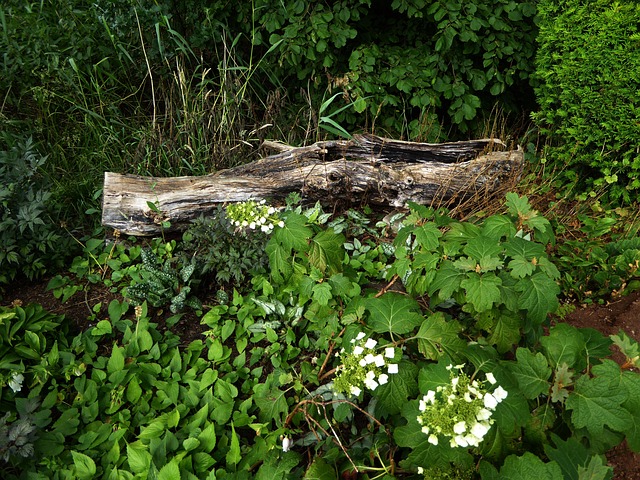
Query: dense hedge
point(588, 65)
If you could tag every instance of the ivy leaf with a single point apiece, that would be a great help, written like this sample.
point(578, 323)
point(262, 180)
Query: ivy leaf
point(529, 466)
point(539, 296)
point(437, 337)
point(393, 313)
point(447, 280)
point(482, 290)
point(596, 403)
point(563, 345)
point(327, 251)
point(532, 373)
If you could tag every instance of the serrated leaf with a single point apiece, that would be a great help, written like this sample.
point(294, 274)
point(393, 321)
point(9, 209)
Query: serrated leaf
point(482, 291)
point(322, 293)
point(498, 226)
point(532, 373)
point(294, 234)
point(85, 467)
point(170, 471)
point(447, 280)
point(595, 470)
point(138, 457)
point(326, 251)
point(541, 422)
point(539, 296)
point(279, 260)
point(568, 454)
point(434, 375)
point(529, 466)
point(438, 336)
point(512, 413)
point(396, 392)
point(320, 470)
point(628, 346)
point(428, 235)
point(505, 332)
point(234, 455)
point(521, 267)
point(271, 402)
point(596, 403)
point(563, 345)
point(562, 379)
point(482, 247)
point(393, 313)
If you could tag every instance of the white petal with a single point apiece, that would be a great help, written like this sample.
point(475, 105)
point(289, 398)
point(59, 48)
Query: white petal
point(371, 344)
point(500, 394)
point(390, 352)
point(433, 439)
point(491, 378)
point(393, 368)
point(358, 350)
point(460, 427)
point(360, 336)
point(379, 361)
point(383, 378)
point(490, 401)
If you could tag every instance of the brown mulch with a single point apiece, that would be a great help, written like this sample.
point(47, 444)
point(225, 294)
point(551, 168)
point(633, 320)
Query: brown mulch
point(619, 314)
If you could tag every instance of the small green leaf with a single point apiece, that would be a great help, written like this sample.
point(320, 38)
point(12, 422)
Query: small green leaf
point(428, 236)
point(170, 471)
point(447, 281)
point(529, 466)
point(116, 361)
point(596, 469)
point(234, 455)
point(322, 293)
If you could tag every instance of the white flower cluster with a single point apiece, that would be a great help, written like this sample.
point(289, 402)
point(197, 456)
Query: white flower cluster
point(364, 366)
point(254, 216)
point(461, 410)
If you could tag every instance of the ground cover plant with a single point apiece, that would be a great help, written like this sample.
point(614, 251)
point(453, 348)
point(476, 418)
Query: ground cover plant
point(319, 367)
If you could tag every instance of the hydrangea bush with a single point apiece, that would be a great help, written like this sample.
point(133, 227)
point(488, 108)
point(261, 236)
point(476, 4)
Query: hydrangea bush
point(254, 215)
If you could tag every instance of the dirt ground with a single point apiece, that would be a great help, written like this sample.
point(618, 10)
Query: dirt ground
point(619, 314)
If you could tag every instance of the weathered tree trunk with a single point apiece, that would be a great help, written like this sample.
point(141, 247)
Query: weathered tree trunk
point(366, 168)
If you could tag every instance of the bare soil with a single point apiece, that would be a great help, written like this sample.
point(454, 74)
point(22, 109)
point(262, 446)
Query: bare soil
point(619, 314)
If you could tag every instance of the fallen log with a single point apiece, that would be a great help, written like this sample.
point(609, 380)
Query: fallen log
point(365, 169)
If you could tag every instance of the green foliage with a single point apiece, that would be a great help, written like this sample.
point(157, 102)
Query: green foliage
point(317, 347)
point(222, 253)
point(29, 241)
point(160, 282)
point(588, 92)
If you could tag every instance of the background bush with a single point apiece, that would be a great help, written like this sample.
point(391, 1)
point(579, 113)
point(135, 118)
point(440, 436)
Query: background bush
point(589, 91)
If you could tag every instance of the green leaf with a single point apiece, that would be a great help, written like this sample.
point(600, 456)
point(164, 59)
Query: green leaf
point(532, 373)
point(596, 469)
point(447, 281)
point(498, 227)
point(434, 375)
point(133, 391)
point(320, 470)
point(170, 471)
point(85, 467)
point(428, 236)
point(271, 402)
point(138, 457)
point(438, 336)
point(539, 296)
point(393, 313)
point(482, 290)
point(569, 454)
point(322, 293)
point(563, 345)
point(482, 247)
point(295, 234)
point(505, 331)
point(529, 466)
point(116, 361)
point(397, 391)
point(234, 455)
point(327, 251)
point(280, 261)
point(208, 438)
point(596, 403)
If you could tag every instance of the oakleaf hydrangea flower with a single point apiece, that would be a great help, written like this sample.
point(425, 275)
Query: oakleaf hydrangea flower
point(365, 367)
point(254, 215)
point(461, 410)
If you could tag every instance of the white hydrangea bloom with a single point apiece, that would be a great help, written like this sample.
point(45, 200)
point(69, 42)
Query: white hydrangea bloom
point(490, 401)
point(383, 378)
point(500, 394)
point(393, 368)
point(15, 383)
point(390, 352)
point(460, 427)
point(358, 350)
point(371, 344)
point(355, 390)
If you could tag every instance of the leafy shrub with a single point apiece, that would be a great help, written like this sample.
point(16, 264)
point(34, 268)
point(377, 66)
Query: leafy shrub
point(225, 254)
point(588, 92)
point(29, 242)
